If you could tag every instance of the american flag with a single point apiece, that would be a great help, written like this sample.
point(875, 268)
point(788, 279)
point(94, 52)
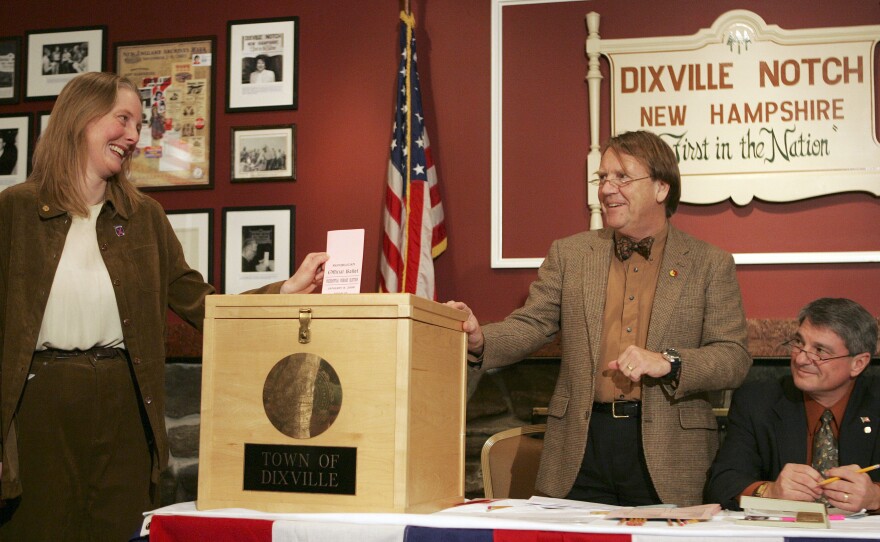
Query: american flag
point(415, 232)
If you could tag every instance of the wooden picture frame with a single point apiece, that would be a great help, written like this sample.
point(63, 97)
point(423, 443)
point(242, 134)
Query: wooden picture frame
point(176, 82)
point(258, 246)
point(54, 57)
point(195, 231)
point(263, 153)
point(41, 120)
point(263, 69)
point(10, 69)
point(15, 148)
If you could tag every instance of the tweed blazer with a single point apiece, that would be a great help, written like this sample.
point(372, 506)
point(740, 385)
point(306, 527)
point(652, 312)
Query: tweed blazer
point(768, 428)
point(697, 310)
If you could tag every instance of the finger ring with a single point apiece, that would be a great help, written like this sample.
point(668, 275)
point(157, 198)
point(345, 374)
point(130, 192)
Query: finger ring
point(846, 497)
point(630, 367)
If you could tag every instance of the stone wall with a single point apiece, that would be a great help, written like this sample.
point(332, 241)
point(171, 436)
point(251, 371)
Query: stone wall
point(497, 401)
point(183, 386)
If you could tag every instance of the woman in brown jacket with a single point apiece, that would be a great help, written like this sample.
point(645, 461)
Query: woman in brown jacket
point(88, 268)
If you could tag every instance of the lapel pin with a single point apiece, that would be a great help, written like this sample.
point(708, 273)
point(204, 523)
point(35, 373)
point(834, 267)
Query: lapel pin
point(673, 273)
point(120, 231)
point(865, 419)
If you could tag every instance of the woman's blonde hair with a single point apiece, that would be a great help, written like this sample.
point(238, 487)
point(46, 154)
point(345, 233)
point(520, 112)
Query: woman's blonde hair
point(61, 154)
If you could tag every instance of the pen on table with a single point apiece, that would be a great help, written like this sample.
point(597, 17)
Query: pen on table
point(836, 478)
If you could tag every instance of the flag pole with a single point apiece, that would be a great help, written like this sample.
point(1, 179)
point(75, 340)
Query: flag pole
point(407, 177)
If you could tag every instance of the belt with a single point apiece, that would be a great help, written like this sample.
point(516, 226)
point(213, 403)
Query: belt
point(619, 409)
point(96, 353)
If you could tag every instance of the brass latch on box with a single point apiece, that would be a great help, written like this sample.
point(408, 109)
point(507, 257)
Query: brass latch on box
point(305, 319)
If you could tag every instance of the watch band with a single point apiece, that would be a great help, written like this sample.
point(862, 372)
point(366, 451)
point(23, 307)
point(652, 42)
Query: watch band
point(674, 358)
point(761, 489)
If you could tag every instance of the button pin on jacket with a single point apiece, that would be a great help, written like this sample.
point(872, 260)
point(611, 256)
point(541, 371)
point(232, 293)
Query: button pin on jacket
point(120, 231)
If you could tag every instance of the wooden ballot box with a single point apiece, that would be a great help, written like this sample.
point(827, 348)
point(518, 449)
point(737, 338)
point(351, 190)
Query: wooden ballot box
point(332, 403)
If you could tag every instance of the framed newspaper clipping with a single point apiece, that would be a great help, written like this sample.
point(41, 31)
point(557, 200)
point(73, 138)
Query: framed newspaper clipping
point(176, 82)
point(10, 69)
point(263, 69)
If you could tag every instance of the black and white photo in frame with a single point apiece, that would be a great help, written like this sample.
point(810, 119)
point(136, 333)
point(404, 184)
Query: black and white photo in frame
point(258, 246)
point(264, 153)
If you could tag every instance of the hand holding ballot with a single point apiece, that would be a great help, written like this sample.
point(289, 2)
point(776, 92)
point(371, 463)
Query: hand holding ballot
point(308, 277)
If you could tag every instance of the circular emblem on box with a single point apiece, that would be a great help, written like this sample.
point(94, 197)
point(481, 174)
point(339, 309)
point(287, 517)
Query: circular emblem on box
point(302, 395)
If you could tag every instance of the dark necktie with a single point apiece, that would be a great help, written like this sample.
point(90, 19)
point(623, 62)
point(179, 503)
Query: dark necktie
point(624, 247)
point(825, 452)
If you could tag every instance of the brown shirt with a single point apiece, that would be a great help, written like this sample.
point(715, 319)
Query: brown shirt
point(628, 302)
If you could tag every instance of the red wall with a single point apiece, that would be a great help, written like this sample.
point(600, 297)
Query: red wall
point(348, 59)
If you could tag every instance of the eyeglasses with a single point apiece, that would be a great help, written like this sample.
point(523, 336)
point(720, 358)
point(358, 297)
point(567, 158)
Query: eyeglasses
point(795, 346)
point(618, 182)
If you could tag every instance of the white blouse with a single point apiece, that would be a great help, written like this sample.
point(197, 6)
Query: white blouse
point(81, 312)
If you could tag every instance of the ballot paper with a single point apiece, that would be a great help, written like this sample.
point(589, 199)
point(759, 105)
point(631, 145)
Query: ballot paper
point(342, 272)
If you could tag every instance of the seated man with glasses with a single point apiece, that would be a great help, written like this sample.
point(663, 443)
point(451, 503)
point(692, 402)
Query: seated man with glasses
point(786, 437)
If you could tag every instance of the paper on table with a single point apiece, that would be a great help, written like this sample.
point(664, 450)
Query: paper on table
point(703, 512)
point(342, 272)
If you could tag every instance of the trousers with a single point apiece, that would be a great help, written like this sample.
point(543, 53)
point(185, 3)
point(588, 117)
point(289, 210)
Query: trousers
point(84, 451)
point(614, 470)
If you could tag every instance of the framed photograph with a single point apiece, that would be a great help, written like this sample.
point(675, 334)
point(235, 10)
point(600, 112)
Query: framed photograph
point(176, 82)
point(42, 120)
point(257, 246)
point(10, 69)
point(264, 153)
point(54, 57)
point(194, 229)
point(14, 148)
point(263, 68)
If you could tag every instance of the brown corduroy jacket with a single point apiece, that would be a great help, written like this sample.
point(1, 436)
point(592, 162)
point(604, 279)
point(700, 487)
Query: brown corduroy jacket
point(149, 274)
point(697, 310)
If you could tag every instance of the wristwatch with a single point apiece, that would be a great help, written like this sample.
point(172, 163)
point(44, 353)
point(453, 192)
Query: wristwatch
point(674, 358)
point(761, 489)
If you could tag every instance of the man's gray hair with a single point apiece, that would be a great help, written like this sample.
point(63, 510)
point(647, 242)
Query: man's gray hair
point(848, 319)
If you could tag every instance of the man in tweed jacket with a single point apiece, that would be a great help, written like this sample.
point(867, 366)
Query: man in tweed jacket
point(645, 337)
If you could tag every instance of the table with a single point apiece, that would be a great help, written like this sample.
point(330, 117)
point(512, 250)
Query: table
point(506, 521)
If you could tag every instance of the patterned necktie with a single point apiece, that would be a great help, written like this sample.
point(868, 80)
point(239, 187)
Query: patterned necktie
point(624, 247)
point(825, 453)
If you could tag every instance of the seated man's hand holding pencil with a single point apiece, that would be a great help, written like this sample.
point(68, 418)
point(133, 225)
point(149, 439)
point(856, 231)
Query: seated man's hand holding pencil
point(850, 488)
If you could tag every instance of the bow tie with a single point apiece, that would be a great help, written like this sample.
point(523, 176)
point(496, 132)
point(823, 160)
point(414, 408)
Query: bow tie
point(624, 247)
